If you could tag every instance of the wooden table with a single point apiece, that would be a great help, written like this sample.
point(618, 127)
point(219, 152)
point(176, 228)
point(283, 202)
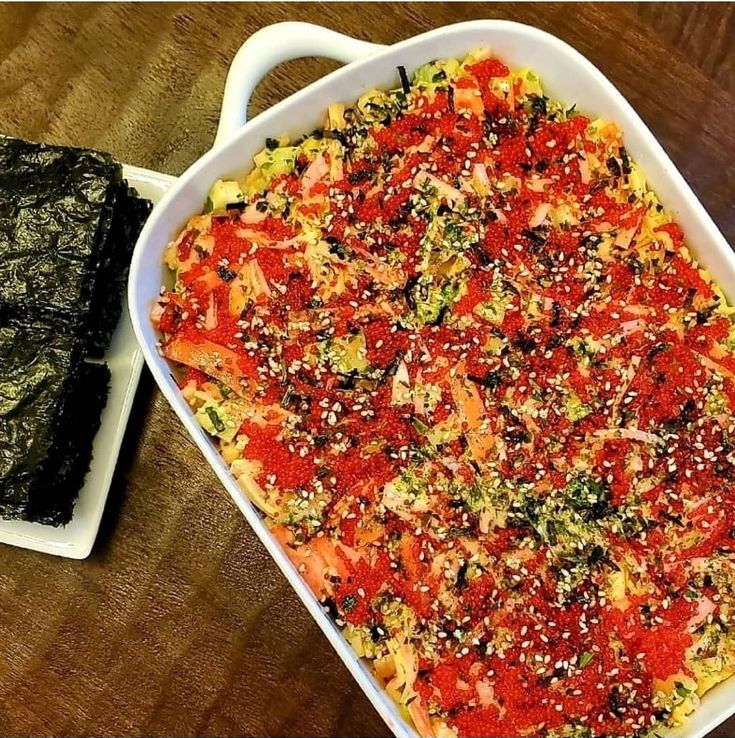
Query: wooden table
point(179, 624)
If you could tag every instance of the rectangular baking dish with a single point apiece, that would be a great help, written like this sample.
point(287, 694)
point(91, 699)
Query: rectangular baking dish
point(566, 75)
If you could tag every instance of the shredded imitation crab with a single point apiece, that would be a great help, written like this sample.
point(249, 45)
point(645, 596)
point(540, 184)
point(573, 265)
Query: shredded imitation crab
point(458, 354)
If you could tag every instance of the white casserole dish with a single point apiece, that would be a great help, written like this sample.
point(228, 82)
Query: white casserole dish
point(566, 76)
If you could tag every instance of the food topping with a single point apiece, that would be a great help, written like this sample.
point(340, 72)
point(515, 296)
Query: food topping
point(459, 354)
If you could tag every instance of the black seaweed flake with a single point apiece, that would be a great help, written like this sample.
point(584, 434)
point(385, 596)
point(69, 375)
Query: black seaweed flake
point(555, 314)
point(226, 274)
point(408, 289)
point(625, 160)
point(37, 367)
point(491, 380)
point(405, 81)
point(362, 175)
point(536, 236)
point(524, 343)
point(538, 104)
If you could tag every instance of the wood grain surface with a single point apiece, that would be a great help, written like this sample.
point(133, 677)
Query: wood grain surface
point(179, 624)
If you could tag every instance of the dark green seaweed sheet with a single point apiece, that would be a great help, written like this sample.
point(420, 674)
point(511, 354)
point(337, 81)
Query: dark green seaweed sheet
point(130, 214)
point(53, 202)
point(68, 223)
point(38, 366)
point(50, 406)
point(52, 500)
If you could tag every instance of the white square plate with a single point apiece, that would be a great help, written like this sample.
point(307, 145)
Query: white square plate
point(125, 360)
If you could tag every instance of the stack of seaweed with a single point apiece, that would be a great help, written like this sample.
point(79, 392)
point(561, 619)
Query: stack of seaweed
point(68, 222)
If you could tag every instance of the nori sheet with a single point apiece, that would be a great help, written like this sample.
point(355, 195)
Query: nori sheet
point(38, 366)
point(68, 223)
point(129, 216)
point(53, 201)
point(52, 500)
point(50, 406)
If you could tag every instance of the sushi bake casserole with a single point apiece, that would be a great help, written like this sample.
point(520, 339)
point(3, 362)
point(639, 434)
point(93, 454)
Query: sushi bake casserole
point(460, 356)
point(68, 222)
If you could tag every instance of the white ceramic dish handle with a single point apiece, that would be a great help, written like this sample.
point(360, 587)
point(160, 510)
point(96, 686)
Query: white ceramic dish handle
point(269, 47)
